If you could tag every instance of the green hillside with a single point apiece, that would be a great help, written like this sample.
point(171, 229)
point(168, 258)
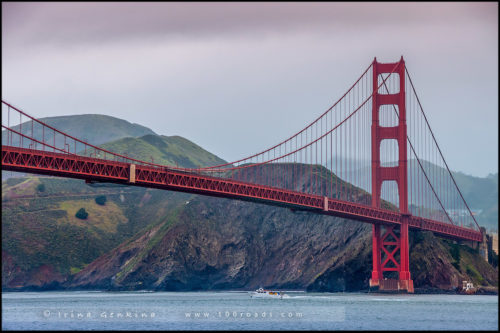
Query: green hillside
point(40, 229)
point(165, 150)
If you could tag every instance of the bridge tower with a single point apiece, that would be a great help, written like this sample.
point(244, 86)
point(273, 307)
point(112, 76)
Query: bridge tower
point(390, 241)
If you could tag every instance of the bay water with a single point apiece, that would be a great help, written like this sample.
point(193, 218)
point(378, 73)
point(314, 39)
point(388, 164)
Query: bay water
point(88, 310)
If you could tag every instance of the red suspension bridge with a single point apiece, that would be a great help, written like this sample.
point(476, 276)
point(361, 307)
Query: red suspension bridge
point(371, 157)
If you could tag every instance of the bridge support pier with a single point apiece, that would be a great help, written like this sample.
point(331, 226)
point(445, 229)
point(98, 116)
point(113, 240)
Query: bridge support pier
point(391, 254)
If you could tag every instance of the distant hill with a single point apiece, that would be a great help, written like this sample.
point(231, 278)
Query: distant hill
point(481, 194)
point(92, 128)
point(95, 129)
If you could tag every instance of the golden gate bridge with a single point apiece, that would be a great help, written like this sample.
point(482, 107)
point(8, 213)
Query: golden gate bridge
point(375, 136)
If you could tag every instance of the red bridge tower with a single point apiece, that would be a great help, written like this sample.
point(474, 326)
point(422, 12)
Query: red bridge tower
point(388, 242)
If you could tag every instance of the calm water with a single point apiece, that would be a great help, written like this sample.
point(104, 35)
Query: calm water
point(237, 311)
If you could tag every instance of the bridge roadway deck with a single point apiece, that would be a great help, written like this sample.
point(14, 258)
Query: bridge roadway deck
point(92, 169)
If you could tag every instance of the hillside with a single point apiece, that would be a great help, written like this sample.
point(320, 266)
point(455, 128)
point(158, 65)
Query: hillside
point(481, 195)
point(211, 243)
point(95, 129)
point(40, 232)
point(153, 239)
point(166, 150)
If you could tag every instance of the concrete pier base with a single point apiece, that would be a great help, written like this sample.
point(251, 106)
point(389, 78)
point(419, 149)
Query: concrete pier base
point(392, 286)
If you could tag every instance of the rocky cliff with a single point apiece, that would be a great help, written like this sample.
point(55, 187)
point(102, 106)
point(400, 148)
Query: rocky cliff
point(211, 243)
point(174, 241)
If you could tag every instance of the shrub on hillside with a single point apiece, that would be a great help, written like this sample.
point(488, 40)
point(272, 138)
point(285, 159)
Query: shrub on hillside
point(40, 188)
point(101, 200)
point(82, 214)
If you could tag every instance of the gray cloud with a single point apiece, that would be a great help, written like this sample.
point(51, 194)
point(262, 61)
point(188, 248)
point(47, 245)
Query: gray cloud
point(223, 75)
point(101, 22)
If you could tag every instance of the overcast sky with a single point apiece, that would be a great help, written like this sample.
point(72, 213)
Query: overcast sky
point(237, 78)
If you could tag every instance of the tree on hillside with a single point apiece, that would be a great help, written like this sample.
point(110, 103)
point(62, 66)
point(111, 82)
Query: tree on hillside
point(101, 200)
point(40, 187)
point(82, 214)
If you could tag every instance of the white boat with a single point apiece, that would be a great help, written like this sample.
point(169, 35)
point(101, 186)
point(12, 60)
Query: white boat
point(263, 293)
